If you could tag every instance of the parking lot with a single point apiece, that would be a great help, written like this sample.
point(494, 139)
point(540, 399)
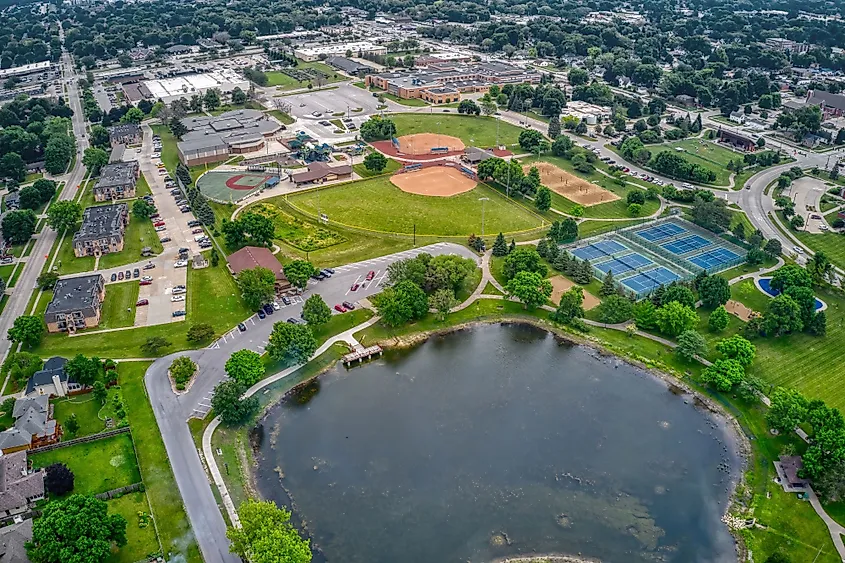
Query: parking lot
point(332, 101)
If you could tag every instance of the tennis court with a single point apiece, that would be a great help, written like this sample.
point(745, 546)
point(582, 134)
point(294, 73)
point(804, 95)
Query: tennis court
point(661, 232)
point(598, 249)
point(645, 282)
point(686, 244)
point(625, 263)
point(714, 258)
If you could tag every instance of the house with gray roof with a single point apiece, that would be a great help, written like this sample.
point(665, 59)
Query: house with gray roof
point(125, 134)
point(76, 304)
point(117, 181)
point(213, 139)
point(50, 381)
point(13, 541)
point(102, 230)
point(20, 487)
point(34, 423)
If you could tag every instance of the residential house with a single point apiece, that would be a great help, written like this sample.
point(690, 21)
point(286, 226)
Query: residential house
point(125, 134)
point(117, 181)
point(737, 117)
point(20, 487)
point(76, 304)
point(34, 416)
point(13, 541)
point(102, 230)
point(250, 257)
point(51, 380)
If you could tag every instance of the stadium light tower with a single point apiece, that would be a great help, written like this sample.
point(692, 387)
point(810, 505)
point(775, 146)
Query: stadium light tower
point(483, 200)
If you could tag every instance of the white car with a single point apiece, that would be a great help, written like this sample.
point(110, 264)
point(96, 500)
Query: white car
point(180, 264)
point(798, 249)
point(276, 306)
point(147, 278)
point(177, 298)
point(179, 290)
point(161, 228)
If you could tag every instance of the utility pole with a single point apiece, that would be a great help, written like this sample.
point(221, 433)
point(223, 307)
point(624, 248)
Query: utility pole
point(483, 200)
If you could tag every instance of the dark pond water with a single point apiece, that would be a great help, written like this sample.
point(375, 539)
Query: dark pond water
point(499, 441)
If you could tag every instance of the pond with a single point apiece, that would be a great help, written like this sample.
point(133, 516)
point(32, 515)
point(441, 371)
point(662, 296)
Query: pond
point(765, 285)
point(496, 441)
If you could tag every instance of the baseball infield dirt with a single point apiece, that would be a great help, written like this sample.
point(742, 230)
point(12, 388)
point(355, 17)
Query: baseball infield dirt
point(422, 143)
point(560, 285)
point(442, 181)
point(570, 186)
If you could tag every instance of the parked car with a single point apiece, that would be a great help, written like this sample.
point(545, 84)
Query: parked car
point(194, 223)
point(285, 299)
point(114, 277)
point(276, 306)
point(128, 274)
point(326, 273)
point(185, 209)
point(136, 272)
point(178, 290)
point(120, 275)
point(180, 264)
point(165, 239)
point(160, 228)
point(149, 266)
point(293, 321)
point(196, 231)
point(155, 216)
point(147, 278)
point(262, 314)
point(179, 313)
point(370, 275)
point(7, 260)
point(318, 276)
point(348, 305)
point(145, 282)
point(142, 302)
point(177, 298)
point(184, 250)
point(242, 327)
point(268, 309)
point(329, 270)
point(354, 287)
point(340, 308)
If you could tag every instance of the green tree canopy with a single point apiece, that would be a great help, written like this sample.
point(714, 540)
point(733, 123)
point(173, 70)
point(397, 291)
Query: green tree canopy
point(28, 329)
point(530, 288)
point(713, 291)
point(257, 286)
point(737, 348)
point(290, 342)
point(719, 319)
point(723, 375)
point(401, 303)
point(230, 405)
point(63, 215)
point(523, 259)
point(675, 318)
point(298, 271)
point(787, 410)
point(245, 367)
point(266, 535)
point(315, 311)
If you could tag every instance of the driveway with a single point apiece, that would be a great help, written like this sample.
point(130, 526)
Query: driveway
point(807, 193)
point(172, 411)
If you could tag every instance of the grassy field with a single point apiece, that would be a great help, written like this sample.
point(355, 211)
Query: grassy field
point(139, 233)
point(285, 82)
point(832, 244)
point(67, 262)
point(590, 228)
point(361, 170)
point(98, 466)
point(410, 102)
point(707, 154)
point(169, 152)
point(380, 206)
point(173, 525)
point(85, 407)
point(119, 305)
point(281, 116)
point(140, 542)
point(472, 130)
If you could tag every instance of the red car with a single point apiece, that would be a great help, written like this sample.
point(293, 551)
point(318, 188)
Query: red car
point(196, 231)
point(158, 224)
point(340, 308)
point(145, 282)
point(142, 302)
point(370, 275)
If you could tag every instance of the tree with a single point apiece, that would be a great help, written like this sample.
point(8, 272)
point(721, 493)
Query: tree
point(76, 529)
point(377, 128)
point(680, 293)
point(500, 246)
point(608, 286)
point(554, 127)
point(154, 344)
point(266, 535)
point(29, 198)
point(523, 259)
point(529, 140)
point(690, 345)
point(230, 405)
point(245, 367)
point(47, 280)
point(46, 189)
point(615, 309)
point(529, 287)
point(200, 332)
point(177, 128)
point(375, 162)
point(28, 329)
point(675, 318)
point(772, 247)
point(468, 107)
point(63, 215)
point(94, 159)
point(737, 348)
point(820, 267)
point(442, 301)
point(818, 324)
point(577, 76)
point(723, 375)
point(783, 316)
point(645, 315)
point(238, 96)
point(298, 271)
point(83, 370)
point(292, 343)
point(796, 222)
point(57, 153)
point(713, 291)
point(788, 409)
point(257, 285)
point(401, 303)
point(543, 199)
point(13, 167)
point(18, 226)
point(719, 319)
point(571, 306)
point(713, 215)
point(58, 479)
point(100, 392)
point(141, 209)
point(789, 276)
point(133, 115)
point(211, 99)
point(562, 146)
point(72, 425)
point(315, 311)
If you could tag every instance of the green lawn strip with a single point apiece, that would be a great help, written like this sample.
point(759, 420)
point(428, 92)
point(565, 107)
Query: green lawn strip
point(162, 492)
point(590, 228)
point(832, 244)
point(361, 170)
point(283, 118)
point(745, 269)
point(119, 305)
point(472, 130)
point(139, 234)
point(98, 466)
point(142, 188)
point(86, 409)
point(365, 205)
point(214, 297)
point(410, 102)
point(169, 152)
point(141, 539)
point(231, 107)
point(490, 289)
point(831, 216)
point(276, 78)
point(6, 273)
point(497, 265)
point(67, 262)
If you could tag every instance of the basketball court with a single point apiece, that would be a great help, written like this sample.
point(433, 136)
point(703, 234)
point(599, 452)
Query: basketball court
point(570, 186)
point(231, 186)
point(441, 181)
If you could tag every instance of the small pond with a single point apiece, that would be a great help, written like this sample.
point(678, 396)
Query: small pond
point(765, 285)
point(496, 441)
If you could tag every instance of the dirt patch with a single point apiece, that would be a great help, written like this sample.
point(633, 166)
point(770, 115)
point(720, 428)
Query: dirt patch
point(422, 143)
point(740, 310)
point(570, 186)
point(441, 181)
point(561, 284)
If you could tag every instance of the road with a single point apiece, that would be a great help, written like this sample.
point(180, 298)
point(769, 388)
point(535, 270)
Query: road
point(172, 411)
point(45, 240)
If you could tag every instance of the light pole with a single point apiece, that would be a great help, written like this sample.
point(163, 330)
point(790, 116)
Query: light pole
point(483, 200)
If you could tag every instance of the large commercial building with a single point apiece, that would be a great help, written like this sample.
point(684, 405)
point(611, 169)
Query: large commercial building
point(24, 70)
point(117, 181)
point(212, 139)
point(443, 83)
point(76, 303)
point(831, 105)
point(314, 52)
point(188, 85)
point(103, 227)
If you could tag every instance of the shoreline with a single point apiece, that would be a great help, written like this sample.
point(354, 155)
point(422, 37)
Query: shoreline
point(670, 378)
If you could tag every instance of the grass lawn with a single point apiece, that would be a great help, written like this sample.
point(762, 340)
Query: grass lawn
point(410, 102)
point(612, 210)
point(85, 407)
point(140, 541)
point(832, 244)
point(285, 82)
point(119, 305)
point(139, 233)
point(590, 228)
point(472, 130)
point(66, 262)
point(169, 152)
point(160, 484)
point(230, 107)
point(99, 466)
point(378, 205)
point(281, 116)
point(707, 154)
point(361, 170)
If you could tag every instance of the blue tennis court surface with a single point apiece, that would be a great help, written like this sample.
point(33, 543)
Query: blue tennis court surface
point(598, 249)
point(609, 246)
point(624, 263)
point(713, 258)
point(647, 281)
point(660, 232)
point(615, 266)
point(686, 244)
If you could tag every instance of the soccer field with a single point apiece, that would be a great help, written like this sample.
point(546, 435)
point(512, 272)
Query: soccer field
point(380, 206)
point(472, 130)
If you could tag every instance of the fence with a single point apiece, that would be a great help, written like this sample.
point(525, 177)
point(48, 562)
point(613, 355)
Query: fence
point(119, 492)
point(82, 440)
